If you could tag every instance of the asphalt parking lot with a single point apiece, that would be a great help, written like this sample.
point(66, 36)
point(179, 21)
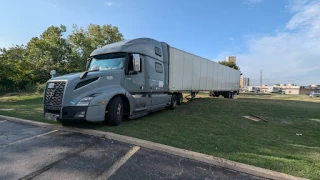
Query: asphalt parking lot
point(30, 152)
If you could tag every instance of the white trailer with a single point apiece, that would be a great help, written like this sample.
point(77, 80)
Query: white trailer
point(189, 72)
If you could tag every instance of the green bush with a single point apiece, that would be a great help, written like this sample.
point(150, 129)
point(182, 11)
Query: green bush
point(4, 89)
point(40, 88)
point(30, 88)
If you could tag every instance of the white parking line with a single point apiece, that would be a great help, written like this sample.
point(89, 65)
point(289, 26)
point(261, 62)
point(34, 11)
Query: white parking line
point(108, 173)
point(29, 138)
point(2, 121)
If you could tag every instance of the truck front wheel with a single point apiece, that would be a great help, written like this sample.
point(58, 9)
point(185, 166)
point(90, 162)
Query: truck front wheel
point(115, 111)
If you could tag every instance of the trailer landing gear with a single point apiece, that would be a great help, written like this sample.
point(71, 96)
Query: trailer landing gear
point(179, 98)
point(191, 96)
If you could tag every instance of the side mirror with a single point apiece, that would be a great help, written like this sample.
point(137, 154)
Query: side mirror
point(88, 63)
point(53, 73)
point(136, 62)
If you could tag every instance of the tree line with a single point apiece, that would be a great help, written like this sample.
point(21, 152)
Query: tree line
point(24, 66)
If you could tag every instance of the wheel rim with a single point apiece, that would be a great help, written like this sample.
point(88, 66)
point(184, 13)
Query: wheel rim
point(119, 111)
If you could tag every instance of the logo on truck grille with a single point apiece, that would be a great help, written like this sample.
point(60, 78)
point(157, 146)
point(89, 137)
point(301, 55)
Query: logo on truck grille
point(51, 94)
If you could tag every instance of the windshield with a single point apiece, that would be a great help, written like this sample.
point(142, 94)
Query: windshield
point(107, 62)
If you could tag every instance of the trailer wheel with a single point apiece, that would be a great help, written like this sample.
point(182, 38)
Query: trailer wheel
point(228, 95)
point(179, 98)
point(231, 95)
point(173, 102)
point(115, 111)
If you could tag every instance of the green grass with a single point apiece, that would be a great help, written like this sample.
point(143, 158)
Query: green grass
point(216, 126)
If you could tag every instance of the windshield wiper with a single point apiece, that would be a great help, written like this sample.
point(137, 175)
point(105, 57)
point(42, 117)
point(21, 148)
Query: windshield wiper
point(84, 74)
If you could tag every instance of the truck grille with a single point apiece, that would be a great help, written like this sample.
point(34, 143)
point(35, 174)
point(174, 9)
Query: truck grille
point(53, 96)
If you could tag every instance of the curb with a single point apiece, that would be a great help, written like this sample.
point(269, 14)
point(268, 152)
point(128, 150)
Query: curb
point(249, 169)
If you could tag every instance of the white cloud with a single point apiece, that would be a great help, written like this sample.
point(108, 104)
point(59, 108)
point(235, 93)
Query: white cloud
point(54, 3)
point(252, 1)
point(111, 3)
point(291, 55)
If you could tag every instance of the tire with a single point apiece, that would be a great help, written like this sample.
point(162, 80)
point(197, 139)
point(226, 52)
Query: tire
point(179, 98)
point(228, 95)
point(173, 102)
point(115, 111)
point(231, 95)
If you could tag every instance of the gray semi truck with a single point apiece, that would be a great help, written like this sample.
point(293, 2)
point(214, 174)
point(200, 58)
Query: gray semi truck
point(132, 78)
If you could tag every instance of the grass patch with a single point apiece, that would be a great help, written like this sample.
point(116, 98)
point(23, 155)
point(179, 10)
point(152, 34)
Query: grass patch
point(216, 126)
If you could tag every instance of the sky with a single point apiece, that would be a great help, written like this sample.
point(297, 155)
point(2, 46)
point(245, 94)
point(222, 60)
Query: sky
point(281, 37)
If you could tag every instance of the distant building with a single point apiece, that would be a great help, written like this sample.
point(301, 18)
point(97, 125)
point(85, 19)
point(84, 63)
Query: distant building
point(231, 59)
point(308, 89)
point(267, 89)
point(250, 89)
point(244, 82)
point(314, 86)
point(290, 88)
point(287, 88)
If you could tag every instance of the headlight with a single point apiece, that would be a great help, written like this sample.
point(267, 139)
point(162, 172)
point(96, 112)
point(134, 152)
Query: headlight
point(86, 100)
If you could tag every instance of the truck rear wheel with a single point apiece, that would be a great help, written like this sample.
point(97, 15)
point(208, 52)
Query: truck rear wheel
point(173, 102)
point(115, 111)
point(179, 98)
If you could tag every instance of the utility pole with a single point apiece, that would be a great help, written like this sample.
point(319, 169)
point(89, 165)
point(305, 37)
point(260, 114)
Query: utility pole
point(260, 80)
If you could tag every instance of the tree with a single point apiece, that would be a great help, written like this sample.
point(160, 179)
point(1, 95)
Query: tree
point(14, 68)
point(84, 41)
point(230, 64)
point(21, 66)
point(49, 51)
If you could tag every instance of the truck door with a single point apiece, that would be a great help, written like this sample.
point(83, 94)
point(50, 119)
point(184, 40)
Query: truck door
point(135, 83)
point(156, 84)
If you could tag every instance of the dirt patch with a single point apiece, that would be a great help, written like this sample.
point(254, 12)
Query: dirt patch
point(252, 118)
point(6, 109)
point(286, 122)
point(255, 117)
